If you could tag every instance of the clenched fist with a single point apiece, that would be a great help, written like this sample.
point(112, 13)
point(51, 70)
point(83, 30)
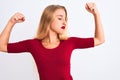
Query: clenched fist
point(91, 7)
point(17, 18)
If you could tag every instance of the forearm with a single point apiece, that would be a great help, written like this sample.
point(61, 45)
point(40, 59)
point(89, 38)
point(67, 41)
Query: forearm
point(4, 36)
point(99, 33)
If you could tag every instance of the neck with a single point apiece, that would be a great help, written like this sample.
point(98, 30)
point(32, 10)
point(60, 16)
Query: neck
point(51, 38)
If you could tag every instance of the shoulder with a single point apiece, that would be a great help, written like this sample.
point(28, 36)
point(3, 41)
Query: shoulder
point(34, 40)
point(26, 41)
point(74, 38)
point(81, 40)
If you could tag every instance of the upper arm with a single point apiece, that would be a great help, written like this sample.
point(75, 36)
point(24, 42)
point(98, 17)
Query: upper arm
point(82, 42)
point(18, 47)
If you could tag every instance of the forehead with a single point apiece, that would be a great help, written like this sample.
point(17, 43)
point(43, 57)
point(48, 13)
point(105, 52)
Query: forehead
point(60, 12)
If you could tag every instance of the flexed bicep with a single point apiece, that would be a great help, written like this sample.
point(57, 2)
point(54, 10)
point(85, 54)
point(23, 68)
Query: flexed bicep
point(5, 34)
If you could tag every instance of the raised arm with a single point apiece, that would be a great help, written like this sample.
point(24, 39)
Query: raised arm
point(4, 36)
point(99, 33)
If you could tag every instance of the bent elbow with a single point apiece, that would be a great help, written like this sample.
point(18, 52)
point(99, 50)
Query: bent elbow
point(102, 41)
point(98, 42)
point(3, 48)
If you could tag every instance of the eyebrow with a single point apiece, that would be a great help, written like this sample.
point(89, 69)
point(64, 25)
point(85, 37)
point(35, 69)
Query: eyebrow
point(60, 15)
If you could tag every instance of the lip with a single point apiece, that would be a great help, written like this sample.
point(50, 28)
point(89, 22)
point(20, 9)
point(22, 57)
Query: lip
point(63, 27)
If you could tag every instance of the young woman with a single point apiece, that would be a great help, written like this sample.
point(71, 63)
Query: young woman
point(51, 48)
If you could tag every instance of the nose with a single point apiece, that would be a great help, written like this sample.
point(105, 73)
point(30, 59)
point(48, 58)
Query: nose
point(64, 22)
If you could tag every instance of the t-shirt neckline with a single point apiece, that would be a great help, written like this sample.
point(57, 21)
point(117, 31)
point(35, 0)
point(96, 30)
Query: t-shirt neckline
point(50, 48)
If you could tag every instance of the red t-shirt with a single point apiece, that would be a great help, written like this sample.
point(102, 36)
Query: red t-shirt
point(52, 64)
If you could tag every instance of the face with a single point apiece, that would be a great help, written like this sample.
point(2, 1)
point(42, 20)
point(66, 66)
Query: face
point(59, 23)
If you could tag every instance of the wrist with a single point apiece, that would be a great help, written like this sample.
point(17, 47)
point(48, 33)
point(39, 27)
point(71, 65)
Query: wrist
point(11, 23)
point(96, 12)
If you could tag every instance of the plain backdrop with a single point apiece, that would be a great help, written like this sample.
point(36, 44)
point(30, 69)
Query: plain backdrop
point(99, 63)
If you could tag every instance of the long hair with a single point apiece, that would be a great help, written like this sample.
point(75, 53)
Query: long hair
point(46, 20)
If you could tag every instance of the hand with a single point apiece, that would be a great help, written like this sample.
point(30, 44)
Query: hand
point(91, 7)
point(17, 18)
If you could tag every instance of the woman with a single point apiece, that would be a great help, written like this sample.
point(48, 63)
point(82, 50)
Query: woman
point(51, 48)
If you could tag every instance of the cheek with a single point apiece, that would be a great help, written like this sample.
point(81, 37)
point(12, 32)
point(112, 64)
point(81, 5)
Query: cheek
point(55, 25)
point(55, 28)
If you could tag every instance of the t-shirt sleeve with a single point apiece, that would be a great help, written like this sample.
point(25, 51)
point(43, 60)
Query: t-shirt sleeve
point(82, 42)
point(17, 47)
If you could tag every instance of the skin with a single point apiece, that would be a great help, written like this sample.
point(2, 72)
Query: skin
point(52, 40)
point(99, 33)
point(5, 35)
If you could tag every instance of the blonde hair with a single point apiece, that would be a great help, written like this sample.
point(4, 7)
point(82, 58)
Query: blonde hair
point(45, 21)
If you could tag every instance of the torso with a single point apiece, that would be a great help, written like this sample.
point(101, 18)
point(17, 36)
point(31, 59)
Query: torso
point(53, 63)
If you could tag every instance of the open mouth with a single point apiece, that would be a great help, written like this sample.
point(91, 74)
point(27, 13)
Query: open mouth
point(63, 27)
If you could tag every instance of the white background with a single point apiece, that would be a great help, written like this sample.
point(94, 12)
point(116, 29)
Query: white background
point(99, 63)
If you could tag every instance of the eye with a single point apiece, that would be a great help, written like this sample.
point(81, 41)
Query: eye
point(59, 18)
